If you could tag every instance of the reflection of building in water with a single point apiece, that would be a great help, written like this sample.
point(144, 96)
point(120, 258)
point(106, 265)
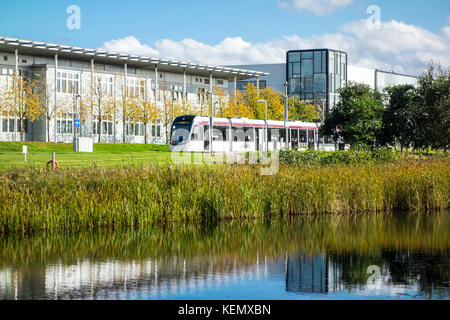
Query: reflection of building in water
point(150, 279)
point(313, 274)
point(307, 273)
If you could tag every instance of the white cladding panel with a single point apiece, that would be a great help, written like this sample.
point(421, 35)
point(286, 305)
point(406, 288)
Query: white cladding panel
point(361, 75)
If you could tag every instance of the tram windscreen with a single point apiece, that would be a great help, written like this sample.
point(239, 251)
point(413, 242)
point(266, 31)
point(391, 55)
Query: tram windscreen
point(180, 129)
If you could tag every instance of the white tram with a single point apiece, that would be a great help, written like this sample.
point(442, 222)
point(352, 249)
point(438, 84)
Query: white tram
point(192, 134)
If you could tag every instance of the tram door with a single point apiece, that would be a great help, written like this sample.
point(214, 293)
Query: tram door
point(259, 138)
point(206, 138)
point(294, 139)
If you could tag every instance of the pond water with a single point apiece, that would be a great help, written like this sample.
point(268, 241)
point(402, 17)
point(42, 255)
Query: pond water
point(398, 256)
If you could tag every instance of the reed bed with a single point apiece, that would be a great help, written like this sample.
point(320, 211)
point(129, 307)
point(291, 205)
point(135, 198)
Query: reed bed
point(79, 199)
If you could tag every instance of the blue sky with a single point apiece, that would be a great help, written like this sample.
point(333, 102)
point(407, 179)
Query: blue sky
point(251, 26)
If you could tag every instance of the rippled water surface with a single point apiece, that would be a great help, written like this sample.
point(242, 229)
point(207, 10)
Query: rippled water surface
point(400, 256)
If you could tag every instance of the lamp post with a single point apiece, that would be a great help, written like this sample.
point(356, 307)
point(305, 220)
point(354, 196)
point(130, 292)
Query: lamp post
point(76, 115)
point(266, 141)
point(173, 108)
point(210, 122)
point(323, 118)
point(215, 104)
point(286, 116)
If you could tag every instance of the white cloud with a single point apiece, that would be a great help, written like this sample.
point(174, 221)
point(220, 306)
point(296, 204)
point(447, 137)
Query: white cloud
point(318, 7)
point(395, 46)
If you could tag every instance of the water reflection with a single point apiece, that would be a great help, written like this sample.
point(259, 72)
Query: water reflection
point(266, 260)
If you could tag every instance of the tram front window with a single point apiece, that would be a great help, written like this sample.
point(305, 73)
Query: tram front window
point(180, 130)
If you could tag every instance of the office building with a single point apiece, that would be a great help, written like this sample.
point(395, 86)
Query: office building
point(77, 77)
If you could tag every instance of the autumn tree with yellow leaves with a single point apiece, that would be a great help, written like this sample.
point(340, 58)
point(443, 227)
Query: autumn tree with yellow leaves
point(45, 93)
point(22, 101)
point(275, 102)
point(238, 106)
point(146, 112)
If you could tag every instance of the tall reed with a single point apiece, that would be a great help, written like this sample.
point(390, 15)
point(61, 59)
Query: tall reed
point(74, 199)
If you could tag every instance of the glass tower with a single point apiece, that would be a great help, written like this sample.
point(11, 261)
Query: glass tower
point(315, 75)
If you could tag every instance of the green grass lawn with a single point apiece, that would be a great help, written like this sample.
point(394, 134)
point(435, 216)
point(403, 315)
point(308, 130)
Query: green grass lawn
point(104, 155)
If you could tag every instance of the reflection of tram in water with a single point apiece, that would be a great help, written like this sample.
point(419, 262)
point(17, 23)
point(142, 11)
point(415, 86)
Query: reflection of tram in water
point(192, 134)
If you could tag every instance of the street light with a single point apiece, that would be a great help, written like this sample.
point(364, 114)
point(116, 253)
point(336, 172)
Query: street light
point(210, 122)
point(76, 114)
point(173, 109)
point(265, 125)
point(286, 116)
point(215, 104)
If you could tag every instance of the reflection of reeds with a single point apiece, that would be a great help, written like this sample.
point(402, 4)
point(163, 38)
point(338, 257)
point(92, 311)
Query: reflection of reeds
point(75, 199)
point(230, 242)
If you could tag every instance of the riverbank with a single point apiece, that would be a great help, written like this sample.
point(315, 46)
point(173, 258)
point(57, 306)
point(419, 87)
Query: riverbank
point(78, 199)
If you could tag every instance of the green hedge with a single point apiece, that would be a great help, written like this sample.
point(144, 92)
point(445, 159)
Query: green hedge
point(311, 157)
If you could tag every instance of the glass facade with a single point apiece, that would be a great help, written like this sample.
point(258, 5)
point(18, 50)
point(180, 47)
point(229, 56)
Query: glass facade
point(242, 85)
point(316, 75)
point(387, 79)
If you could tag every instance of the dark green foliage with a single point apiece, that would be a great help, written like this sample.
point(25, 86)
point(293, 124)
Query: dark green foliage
point(357, 118)
point(411, 117)
point(398, 117)
point(353, 156)
point(432, 110)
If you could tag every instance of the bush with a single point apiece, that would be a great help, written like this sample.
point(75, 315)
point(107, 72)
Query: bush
point(311, 157)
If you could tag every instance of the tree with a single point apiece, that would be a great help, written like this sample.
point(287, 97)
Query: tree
point(45, 91)
point(22, 101)
point(147, 112)
point(238, 107)
point(399, 125)
point(222, 110)
point(301, 111)
point(275, 102)
point(126, 107)
point(100, 106)
point(432, 119)
point(166, 111)
point(357, 117)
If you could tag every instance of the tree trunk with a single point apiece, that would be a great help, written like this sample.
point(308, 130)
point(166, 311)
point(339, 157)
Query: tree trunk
point(47, 138)
point(99, 129)
point(145, 133)
point(124, 133)
point(21, 130)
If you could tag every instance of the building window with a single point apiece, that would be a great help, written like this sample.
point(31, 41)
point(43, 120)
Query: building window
point(64, 124)
point(156, 129)
point(106, 127)
point(6, 78)
point(106, 84)
point(12, 125)
point(136, 87)
point(220, 82)
point(68, 82)
point(135, 129)
point(4, 125)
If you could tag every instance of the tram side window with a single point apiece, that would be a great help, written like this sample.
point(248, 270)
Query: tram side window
point(238, 134)
point(311, 135)
point(274, 134)
point(282, 135)
point(249, 134)
point(206, 133)
point(220, 134)
point(196, 134)
point(303, 136)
